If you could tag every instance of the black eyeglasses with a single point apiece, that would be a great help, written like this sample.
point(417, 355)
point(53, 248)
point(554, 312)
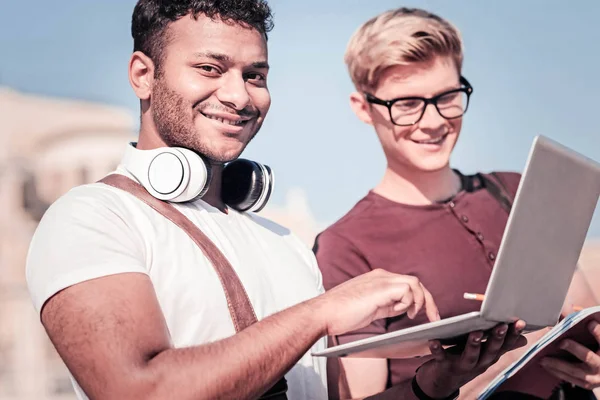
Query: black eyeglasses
point(406, 111)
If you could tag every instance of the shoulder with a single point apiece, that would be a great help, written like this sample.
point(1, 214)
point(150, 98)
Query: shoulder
point(89, 232)
point(81, 202)
point(284, 235)
point(269, 224)
point(91, 218)
point(510, 180)
point(95, 202)
point(508, 177)
point(341, 249)
point(86, 214)
point(351, 224)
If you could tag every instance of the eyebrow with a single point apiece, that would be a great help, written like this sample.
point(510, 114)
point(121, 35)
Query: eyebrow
point(260, 65)
point(437, 93)
point(227, 59)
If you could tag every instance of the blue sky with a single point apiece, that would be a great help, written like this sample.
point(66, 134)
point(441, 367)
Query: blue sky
point(534, 65)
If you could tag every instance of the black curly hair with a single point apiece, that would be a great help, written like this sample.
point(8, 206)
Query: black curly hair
point(151, 18)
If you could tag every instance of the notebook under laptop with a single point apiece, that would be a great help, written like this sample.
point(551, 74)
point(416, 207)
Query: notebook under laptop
point(544, 235)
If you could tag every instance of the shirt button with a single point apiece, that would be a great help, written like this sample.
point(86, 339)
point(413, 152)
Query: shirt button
point(480, 236)
point(465, 218)
point(492, 256)
point(452, 205)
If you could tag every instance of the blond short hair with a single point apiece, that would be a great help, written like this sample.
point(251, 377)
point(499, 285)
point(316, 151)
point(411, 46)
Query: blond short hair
point(399, 37)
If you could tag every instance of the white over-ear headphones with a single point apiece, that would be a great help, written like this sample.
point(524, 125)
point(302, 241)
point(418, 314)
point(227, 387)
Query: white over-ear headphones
point(177, 174)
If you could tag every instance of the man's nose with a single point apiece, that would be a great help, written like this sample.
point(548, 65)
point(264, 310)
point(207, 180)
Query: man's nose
point(233, 92)
point(431, 118)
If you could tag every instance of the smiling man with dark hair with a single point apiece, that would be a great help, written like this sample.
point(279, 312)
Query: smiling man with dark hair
point(159, 281)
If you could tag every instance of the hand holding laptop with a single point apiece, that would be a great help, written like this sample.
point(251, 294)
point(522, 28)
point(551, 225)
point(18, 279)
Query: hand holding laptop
point(451, 368)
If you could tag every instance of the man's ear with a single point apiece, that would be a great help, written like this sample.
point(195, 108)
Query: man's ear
point(141, 75)
point(361, 107)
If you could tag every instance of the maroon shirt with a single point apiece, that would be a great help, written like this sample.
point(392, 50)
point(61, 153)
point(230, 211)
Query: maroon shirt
point(451, 247)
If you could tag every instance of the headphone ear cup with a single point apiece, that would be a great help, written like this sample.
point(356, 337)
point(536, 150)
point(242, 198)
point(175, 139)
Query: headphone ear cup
point(268, 186)
point(246, 185)
point(200, 176)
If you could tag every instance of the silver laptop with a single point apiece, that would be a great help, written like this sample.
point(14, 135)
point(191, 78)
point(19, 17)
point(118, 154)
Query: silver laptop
point(544, 235)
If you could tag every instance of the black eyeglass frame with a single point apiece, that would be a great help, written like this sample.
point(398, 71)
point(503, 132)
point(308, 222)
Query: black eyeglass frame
point(466, 88)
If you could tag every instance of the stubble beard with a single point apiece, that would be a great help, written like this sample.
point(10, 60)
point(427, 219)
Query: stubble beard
point(173, 118)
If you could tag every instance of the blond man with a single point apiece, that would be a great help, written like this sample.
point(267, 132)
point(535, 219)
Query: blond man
point(424, 218)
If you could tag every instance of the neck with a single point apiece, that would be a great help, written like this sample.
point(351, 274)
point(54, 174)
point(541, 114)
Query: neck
point(149, 143)
point(418, 187)
point(148, 137)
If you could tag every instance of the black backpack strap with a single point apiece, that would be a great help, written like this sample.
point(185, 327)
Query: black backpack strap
point(503, 185)
point(498, 190)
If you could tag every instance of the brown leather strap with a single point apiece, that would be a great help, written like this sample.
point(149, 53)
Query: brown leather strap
point(240, 308)
point(238, 302)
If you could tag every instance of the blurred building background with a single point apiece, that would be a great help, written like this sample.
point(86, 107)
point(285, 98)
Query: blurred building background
point(47, 146)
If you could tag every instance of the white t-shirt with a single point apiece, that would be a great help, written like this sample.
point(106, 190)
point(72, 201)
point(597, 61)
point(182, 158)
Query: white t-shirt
point(96, 230)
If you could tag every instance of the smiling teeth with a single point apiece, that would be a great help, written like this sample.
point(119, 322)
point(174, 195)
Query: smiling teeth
point(431, 141)
point(226, 121)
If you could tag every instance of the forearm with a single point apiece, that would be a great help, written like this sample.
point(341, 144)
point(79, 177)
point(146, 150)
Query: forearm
point(242, 366)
